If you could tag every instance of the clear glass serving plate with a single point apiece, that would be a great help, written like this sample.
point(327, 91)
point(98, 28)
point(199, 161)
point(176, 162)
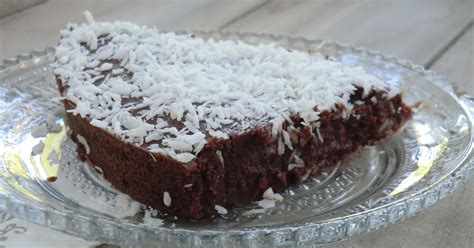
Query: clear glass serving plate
point(381, 184)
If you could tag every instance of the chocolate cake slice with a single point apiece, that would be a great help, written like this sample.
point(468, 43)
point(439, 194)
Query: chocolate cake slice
point(192, 127)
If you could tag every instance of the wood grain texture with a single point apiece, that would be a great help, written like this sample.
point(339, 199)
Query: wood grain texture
point(39, 27)
point(413, 30)
point(457, 63)
point(9, 7)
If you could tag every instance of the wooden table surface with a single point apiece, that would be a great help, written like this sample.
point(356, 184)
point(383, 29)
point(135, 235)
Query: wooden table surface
point(437, 34)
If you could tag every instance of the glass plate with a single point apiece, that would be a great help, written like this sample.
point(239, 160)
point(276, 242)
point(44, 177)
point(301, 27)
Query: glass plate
point(379, 185)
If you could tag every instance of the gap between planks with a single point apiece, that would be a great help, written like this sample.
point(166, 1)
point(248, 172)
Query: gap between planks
point(449, 44)
point(245, 14)
point(20, 6)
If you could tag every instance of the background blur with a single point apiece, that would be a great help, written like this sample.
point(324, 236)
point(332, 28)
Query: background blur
point(437, 34)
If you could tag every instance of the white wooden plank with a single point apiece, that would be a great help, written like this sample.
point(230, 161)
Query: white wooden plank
point(412, 30)
point(457, 63)
point(39, 27)
point(9, 7)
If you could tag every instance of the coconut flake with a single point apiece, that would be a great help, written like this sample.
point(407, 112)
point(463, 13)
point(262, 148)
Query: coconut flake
point(292, 166)
point(269, 199)
point(89, 17)
point(127, 206)
point(122, 201)
point(298, 160)
point(135, 207)
point(166, 199)
point(105, 67)
point(270, 195)
point(99, 124)
point(373, 99)
point(287, 140)
point(219, 155)
point(179, 145)
point(276, 125)
point(320, 137)
point(98, 169)
point(185, 157)
point(265, 203)
point(298, 163)
point(281, 146)
point(149, 218)
point(220, 209)
point(118, 71)
point(83, 141)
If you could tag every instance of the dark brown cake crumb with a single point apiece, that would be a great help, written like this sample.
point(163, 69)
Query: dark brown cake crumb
point(52, 179)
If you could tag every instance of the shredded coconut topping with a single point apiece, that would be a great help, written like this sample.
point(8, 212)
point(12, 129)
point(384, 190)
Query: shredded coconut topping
point(169, 93)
